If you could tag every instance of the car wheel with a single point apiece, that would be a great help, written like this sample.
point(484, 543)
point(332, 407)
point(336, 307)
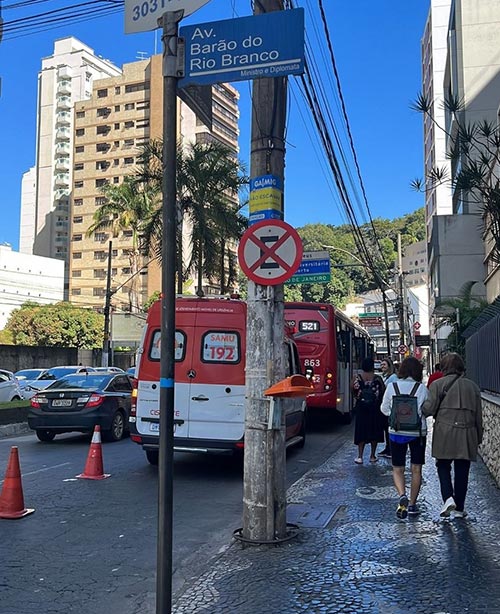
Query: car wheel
point(117, 428)
point(152, 456)
point(16, 398)
point(44, 435)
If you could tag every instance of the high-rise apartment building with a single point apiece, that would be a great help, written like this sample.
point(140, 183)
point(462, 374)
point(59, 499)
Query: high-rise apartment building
point(66, 77)
point(123, 113)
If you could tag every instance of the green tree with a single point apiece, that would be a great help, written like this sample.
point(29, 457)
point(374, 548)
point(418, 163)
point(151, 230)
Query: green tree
point(127, 207)
point(209, 181)
point(61, 324)
point(6, 337)
point(459, 313)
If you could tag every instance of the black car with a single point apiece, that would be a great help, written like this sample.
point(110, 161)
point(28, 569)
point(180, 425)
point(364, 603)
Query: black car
point(78, 402)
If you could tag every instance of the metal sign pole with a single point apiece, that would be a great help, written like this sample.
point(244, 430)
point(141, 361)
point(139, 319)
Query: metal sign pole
point(169, 23)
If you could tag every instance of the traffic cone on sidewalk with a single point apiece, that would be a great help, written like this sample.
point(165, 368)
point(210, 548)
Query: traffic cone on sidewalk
point(94, 469)
point(11, 498)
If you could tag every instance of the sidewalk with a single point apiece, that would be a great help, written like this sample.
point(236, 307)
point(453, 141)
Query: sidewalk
point(353, 556)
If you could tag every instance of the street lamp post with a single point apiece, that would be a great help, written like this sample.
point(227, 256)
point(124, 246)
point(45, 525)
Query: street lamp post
point(380, 282)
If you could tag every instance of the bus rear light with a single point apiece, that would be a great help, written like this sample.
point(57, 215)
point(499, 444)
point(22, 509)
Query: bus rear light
point(328, 380)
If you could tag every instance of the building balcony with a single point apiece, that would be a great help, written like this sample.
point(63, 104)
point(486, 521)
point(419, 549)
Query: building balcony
point(64, 87)
point(64, 72)
point(63, 149)
point(64, 102)
point(61, 225)
point(60, 195)
point(61, 180)
point(63, 118)
point(63, 134)
point(62, 164)
point(61, 239)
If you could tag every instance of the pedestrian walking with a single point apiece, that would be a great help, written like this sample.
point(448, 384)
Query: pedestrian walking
point(388, 375)
point(409, 385)
point(368, 390)
point(436, 374)
point(455, 403)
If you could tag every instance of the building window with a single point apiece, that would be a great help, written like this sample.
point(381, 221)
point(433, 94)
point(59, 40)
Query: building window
point(78, 184)
point(98, 291)
point(102, 93)
point(77, 255)
point(99, 183)
point(100, 201)
point(117, 108)
point(136, 87)
point(116, 179)
point(76, 291)
point(78, 202)
point(80, 114)
point(144, 124)
point(117, 90)
point(128, 143)
point(114, 253)
point(142, 106)
point(99, 273)
point(128, 124)
point(114, 272)
point(117, 126)
point(128, 233)
point(77, 237)
point(103, 112)
point(79, 166)
point(116, 162)
point(100, 255)
point(128, 161)
point(76, 273)
point(102, 147)
point(100, 236)
point(78, 219)
point(102, 129)
point(80, 131)
point(126, 270)
point(101, 165)
point(79, 149)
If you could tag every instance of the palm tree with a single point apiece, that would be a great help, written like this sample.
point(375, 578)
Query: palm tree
point(459, 313)
point(128, 206)
point(209, 178)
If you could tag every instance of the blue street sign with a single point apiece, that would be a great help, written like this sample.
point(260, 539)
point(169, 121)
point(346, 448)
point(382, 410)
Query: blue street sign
point(311, 267)
point(265, 181)
point(268, 45)
point(266, 214)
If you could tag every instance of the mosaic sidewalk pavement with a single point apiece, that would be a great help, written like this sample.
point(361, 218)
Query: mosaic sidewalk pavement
point(363, 560)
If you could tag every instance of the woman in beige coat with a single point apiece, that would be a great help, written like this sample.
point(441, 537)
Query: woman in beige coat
point(455, 403)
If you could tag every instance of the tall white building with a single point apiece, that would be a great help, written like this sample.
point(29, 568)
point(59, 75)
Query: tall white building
point(24, 277)
point(65, 78)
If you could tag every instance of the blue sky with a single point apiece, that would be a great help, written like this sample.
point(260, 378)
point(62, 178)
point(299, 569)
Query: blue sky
point(377, 50)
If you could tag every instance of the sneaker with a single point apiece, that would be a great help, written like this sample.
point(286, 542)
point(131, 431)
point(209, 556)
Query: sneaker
point(402, 509)
point(460, 514)
point(358, 461)
point(385, 453)
point(413, 510)
point(448, 507)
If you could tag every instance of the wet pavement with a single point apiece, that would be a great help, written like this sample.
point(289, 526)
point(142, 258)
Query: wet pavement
point(353, 556)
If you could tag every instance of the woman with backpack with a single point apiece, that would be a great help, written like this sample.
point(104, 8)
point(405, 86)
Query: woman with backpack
point(368, 390)
point(455, 403)
point(402, 403)
point(388, 375)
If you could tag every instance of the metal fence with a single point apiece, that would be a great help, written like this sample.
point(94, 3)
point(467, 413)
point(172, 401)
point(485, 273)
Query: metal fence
point(482, 351)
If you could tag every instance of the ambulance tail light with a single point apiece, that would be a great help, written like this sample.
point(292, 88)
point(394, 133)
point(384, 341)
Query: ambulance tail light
point(328, 380)
point(133, 403)
point(239, 445)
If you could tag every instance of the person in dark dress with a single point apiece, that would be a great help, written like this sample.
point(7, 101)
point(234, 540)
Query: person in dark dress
point(368, 390)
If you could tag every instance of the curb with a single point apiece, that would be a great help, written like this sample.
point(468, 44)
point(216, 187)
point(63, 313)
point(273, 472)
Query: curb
point(9, 430)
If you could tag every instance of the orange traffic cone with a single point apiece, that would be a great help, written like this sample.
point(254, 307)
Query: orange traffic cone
point(93, 467)
point(11, 498)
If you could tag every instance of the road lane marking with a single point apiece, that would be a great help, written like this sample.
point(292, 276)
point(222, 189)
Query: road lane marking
point(45, 469)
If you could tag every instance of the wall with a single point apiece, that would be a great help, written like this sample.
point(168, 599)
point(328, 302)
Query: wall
point(16, 357)
point(490, 448)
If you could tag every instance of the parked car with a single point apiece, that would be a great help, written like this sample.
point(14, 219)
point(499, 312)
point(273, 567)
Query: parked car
point(50, 375)
point(26, 377)
point(131, 371)
point(109, 370)
point(9, 387)
point(79, 401)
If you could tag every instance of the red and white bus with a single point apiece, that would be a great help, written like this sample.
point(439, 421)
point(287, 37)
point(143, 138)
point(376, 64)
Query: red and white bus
point(331, 348)
point(210, 346)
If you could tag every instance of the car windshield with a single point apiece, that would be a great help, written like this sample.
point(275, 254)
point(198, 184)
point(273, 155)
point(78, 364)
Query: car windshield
point(28, 373)
point(81, 380)
point(57, 372)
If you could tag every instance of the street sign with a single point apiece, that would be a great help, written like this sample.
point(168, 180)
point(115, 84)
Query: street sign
point(266, 198)
point(417, 326)
point(371, 322)
point(270, 252)
point(267, 45)
point(402, 349)
point(314, 269)
point(199, 99)
point(143, 15)
point(422, 340)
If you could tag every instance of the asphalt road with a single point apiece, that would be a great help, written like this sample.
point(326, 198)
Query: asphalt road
point(90, 546)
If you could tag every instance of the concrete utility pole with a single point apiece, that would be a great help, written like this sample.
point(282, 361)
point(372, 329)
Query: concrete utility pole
point(401, 301)
point(264, 490)
point(107, 310)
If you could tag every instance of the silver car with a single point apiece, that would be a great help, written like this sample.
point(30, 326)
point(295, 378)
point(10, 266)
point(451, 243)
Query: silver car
point(49, 376)
point(9, 387)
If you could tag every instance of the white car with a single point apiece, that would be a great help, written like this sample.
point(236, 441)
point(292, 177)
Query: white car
point(48, 376)
point(109, 370)
point(9, 387)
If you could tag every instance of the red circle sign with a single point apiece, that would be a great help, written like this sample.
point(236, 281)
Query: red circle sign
point(402, 349)
point(270, 252)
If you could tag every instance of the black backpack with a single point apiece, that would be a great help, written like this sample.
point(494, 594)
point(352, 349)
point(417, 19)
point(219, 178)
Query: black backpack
point(404, 410)
point(368, 395)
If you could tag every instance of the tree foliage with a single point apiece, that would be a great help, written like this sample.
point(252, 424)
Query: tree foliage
point(61, 324)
